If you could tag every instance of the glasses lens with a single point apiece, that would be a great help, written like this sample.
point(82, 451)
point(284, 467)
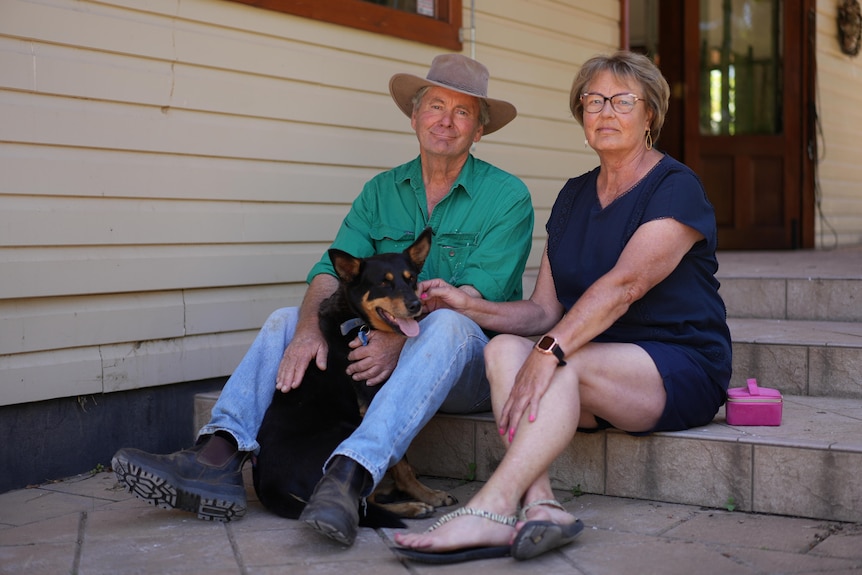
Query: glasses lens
point(623, 103)
point(592, 102)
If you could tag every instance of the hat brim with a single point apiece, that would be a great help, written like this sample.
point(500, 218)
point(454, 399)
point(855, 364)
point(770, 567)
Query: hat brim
point(403, 87)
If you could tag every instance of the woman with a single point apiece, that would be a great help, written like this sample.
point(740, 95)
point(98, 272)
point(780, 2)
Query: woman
point(634, 333)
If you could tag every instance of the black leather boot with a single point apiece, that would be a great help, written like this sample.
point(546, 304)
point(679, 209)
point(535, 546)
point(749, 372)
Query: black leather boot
point(187, 479)
point(333, 509)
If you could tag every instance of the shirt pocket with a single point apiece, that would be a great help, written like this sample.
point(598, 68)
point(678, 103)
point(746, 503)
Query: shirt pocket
point(389, 239)
point(455, 250)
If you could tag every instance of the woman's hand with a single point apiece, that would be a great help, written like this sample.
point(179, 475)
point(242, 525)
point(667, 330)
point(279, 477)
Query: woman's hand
point(375, 361)
point(437, 294)
point(531, 383)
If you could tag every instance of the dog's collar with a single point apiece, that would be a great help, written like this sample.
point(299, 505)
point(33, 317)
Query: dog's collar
point(352, 324)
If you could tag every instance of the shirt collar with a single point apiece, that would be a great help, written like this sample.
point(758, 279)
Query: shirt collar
point(412, 172)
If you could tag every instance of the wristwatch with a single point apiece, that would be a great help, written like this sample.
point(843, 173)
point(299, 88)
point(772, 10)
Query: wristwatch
point(549, 346)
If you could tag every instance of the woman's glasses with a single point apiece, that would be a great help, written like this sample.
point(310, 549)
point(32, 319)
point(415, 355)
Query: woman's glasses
point(621, 103)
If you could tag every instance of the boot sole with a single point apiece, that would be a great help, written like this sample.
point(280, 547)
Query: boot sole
point(329, 531)
point(160, 492)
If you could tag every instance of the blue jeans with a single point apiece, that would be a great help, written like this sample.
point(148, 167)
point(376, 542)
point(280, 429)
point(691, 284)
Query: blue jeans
point(440, 369)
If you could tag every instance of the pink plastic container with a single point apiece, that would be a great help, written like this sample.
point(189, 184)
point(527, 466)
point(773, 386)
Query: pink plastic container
point(753, 405)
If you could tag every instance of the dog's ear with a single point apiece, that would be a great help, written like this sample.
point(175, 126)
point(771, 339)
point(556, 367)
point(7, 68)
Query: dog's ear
point(346, 266)
point(418, 250)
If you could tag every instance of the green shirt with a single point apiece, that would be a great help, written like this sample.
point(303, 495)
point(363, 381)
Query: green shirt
point(482, 229)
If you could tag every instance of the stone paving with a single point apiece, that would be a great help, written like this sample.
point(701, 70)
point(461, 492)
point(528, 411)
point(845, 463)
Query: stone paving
point(87, 525)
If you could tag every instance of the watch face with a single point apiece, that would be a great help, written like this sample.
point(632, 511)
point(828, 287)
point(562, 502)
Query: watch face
point(546, 343)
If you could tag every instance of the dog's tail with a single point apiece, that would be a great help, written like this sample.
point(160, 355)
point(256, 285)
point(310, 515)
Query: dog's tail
point(375, 516)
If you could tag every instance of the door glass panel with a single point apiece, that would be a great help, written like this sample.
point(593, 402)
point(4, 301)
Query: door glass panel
point(740, 63)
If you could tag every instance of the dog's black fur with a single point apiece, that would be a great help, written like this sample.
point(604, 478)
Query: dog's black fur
point(302, 427)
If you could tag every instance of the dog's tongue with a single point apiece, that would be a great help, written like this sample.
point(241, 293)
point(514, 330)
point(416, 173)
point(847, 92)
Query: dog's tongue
point(409, 327)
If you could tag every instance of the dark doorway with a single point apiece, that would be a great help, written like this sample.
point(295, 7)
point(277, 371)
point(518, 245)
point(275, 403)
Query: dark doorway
point(741, 75)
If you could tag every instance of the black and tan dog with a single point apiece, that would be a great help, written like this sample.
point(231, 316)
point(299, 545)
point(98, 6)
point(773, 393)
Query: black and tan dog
point(302, 427)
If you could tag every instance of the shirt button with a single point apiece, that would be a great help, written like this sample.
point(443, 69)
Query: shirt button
point(452, 254)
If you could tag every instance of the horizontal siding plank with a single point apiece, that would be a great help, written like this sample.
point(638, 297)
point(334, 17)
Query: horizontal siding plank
point(282, 52)
point(68, 122)
point(52, 69)
point(90, 25)
point(161, 362)
point(30, 377)
point(46, 221)
point(30, 325)
point(142, 129)
point(100, 76)
point(553, 15)
point(594, 33)
point(46, 272)
point(65, 171)
point(236, 309)
point(531, 163)
point(16, 61)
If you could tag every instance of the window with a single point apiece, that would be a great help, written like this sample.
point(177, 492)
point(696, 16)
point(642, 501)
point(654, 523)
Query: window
point(435, 22)
point(741, 65)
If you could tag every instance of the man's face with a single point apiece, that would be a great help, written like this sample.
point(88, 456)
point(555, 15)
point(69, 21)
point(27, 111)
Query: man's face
point(446, 122)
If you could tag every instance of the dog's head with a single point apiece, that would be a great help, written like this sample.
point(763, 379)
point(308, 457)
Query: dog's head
point(381, 289)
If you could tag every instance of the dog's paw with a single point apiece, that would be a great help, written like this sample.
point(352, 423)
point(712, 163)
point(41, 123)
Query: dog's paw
point(409, 509)
point(419, 510)
point(440, 499)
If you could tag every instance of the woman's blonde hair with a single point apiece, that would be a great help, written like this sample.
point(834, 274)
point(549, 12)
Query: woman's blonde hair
point(625, 65)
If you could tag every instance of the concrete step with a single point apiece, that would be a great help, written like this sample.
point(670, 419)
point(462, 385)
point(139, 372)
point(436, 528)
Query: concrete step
point(818, 358)
point(809, 466)
point(808, 285)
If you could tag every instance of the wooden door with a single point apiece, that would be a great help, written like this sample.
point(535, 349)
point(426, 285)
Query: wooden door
point(740, 79)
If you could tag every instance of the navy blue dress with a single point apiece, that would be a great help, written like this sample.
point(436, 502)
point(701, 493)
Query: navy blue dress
point(682, 321)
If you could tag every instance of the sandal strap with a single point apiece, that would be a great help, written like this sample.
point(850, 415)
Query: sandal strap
point(503, 519)
point(549, 502)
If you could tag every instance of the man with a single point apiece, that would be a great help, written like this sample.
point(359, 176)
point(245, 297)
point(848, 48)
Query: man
point(482, 220)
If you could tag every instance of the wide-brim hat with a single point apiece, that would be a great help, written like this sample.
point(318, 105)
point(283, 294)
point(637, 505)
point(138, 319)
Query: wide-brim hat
point(453, 72)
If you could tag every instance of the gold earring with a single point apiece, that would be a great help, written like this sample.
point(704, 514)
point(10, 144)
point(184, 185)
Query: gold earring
point(648, 140)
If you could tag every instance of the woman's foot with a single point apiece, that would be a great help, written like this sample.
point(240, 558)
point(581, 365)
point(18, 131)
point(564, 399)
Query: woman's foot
point(544, 525)
point(465, 528)
point(545, 510)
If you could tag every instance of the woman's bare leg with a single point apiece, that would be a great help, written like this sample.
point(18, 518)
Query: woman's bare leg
point(618, 382)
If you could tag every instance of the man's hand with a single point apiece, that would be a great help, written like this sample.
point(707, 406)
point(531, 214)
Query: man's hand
point(303, 348)
point(376, 361)
point(307, 343)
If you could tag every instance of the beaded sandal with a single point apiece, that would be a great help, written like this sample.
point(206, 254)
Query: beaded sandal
point(461, 555)
point(522, 515)
point(537, 537)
